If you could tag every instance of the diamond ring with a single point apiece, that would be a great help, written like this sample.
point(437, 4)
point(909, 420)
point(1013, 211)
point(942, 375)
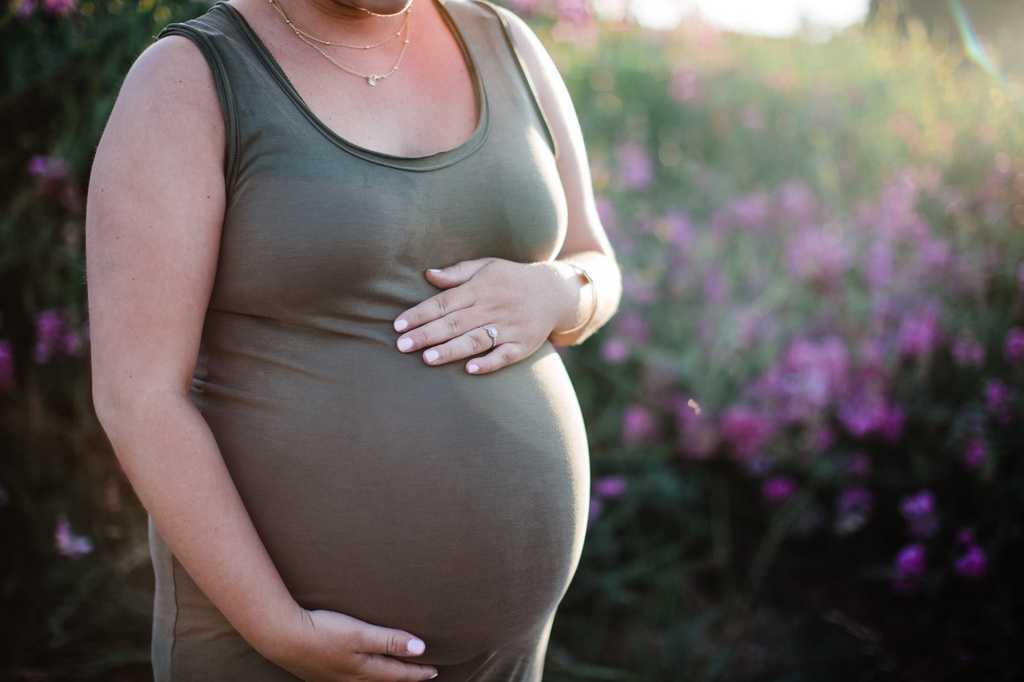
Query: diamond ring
point(492, 332)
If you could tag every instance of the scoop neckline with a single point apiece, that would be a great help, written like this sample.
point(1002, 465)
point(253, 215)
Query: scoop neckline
point(427, 162)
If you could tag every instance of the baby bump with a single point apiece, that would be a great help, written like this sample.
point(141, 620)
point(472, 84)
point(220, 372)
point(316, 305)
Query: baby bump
point(409, 496)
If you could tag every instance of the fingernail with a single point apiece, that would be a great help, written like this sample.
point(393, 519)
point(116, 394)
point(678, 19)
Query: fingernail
point(431, 355)
point(473, 369)
point(432, 676)
point(400, 325)
point(434, 270)
point(404, 344)
point(416, 646)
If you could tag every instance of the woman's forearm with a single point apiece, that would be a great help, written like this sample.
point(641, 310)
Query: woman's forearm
point(175, 466)
point(597, 298)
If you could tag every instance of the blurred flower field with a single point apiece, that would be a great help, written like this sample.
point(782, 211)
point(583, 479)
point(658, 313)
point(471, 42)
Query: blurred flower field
point(807, 420)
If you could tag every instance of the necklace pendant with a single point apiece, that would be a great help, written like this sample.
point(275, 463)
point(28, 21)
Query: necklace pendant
point(372, 80)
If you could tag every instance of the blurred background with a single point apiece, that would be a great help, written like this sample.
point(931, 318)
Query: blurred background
point(807, 420)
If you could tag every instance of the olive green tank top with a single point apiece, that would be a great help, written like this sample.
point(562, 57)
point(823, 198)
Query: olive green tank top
point(424, 498)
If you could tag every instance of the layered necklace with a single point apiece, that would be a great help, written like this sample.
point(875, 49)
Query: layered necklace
point(370, 78)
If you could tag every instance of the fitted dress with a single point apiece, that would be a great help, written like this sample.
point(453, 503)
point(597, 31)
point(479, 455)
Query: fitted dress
point(423, 498)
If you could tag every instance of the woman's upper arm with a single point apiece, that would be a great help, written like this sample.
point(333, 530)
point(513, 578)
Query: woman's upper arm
point(153, 220)
point(585, 232)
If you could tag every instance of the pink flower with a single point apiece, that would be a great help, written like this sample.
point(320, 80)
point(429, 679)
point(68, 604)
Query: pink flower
point(973, 565)
point(909, 569)
point(778, 489)
point(638, 426)
point(814, 256)
point(610, 487)
point(68, 544)
point(6, 365)
point(1014, 347)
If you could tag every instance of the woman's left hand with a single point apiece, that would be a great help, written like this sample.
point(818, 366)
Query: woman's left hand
point(523, 302)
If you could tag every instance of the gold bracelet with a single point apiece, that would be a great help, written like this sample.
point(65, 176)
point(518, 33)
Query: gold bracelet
point(587, 279)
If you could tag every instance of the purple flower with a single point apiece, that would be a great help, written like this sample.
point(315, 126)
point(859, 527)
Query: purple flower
point(614, 350)
point(698, 437)
point(49, 327)
point(965, 537)
point(746, 430)
point(891, 426)
point(6, 365)
point(778, 489)
point(60, 7)
point(1014, 348)
point(973, 565)
point(679, 227)
point(809, 377)
point(633, 325)
point(70, 342)
point(68, 544)
point(968, 352)
point(909, 569)
point(751, 211)
point(715, 286)
point(878, 264)
point(4, 498)
point(797, 204)
point(920, 512)
point(998, 399)
point(864, 411)
point(814, 255)
point(853, 509)
point(974, 453)
point(919, 332)
point(636, 169)
point(48, 167)
point(610, 487)
point(26, 9)
point(638, 425)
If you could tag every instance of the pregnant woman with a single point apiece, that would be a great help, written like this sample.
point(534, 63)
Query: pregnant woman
point(330, 246)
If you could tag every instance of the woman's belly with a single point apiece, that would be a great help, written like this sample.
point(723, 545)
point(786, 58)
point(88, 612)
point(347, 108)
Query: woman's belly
point(422, 498)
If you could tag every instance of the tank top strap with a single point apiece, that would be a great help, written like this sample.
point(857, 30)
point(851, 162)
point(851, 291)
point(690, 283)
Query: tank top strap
point(494, 25)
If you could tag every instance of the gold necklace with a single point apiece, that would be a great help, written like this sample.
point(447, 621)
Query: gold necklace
point(370, 78)
point(299, 32)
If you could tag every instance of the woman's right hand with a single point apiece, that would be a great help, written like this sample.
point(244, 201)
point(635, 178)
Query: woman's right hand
point(332, 647)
